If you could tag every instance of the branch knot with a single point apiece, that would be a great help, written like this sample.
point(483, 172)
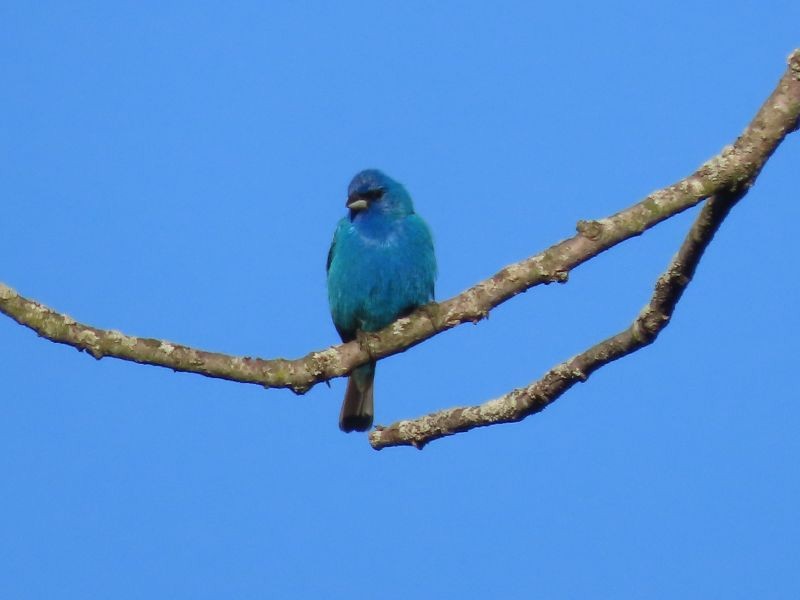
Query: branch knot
point(591, 230)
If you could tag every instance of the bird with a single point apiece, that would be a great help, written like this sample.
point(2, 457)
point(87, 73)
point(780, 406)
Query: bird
point(381, 266)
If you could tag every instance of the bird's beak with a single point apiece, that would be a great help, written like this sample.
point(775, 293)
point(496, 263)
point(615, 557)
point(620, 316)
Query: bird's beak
point(357, 204)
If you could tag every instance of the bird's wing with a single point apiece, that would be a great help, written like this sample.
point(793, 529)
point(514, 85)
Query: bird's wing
point(331, 250)
point(330, 255)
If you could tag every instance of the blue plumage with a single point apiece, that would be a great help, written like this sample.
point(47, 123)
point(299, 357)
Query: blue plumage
point(381, 266)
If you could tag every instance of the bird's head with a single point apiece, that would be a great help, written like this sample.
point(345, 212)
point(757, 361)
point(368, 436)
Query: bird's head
point(373, 192)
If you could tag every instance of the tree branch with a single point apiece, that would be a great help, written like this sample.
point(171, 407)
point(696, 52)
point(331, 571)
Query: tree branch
point(734, 167)
point(523, 402)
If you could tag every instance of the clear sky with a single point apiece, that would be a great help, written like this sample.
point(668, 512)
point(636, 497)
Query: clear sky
point(176, 170)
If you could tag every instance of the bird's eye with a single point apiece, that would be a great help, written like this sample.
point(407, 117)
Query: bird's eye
point(372, 194)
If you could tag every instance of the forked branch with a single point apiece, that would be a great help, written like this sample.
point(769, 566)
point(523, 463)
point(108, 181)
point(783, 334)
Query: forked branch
point(731, 171)
point(520, 403)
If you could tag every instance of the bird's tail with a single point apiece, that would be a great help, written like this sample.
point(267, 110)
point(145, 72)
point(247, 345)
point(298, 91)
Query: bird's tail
point(357, 408)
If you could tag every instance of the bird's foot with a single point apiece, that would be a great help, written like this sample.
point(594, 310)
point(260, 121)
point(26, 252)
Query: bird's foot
point(366, 341)
point(431, 312)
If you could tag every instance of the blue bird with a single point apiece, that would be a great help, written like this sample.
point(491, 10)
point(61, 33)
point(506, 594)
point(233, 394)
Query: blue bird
point(381, 266)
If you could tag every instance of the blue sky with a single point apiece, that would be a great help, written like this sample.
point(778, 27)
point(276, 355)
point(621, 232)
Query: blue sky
point(176, 170)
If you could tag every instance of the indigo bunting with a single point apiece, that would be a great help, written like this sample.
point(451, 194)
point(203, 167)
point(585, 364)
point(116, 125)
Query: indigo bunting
point(381, 266)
